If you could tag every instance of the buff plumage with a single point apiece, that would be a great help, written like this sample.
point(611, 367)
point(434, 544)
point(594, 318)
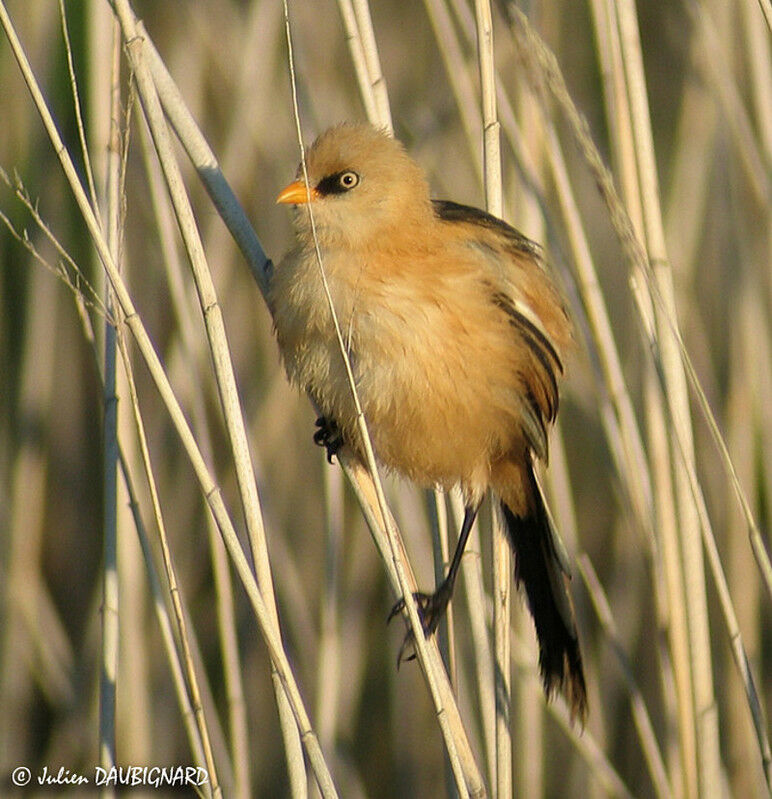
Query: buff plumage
point(457, 338)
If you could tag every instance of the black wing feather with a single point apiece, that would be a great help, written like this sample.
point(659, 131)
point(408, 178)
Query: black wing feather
point(448, 211)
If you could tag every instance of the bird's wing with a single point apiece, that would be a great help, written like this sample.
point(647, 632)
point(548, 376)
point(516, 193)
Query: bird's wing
point(456, 212)
point(520, 288)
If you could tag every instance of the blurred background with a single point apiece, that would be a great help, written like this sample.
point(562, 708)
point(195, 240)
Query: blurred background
point(709, 84)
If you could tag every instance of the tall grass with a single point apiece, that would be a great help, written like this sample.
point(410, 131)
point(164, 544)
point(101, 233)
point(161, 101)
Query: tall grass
point(246, 633)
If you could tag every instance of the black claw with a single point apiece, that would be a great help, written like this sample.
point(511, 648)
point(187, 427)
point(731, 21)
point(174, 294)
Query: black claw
point(406, 643)
point(328, 436)
point(431, 608)
point(398, 608)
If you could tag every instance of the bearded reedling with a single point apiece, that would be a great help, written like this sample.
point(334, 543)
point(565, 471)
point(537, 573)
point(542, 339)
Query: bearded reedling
point(455, 334)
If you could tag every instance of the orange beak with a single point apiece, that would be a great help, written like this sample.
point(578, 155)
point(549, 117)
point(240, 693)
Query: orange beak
point(297, 193)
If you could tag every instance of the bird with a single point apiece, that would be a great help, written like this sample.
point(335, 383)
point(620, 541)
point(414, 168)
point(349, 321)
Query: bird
point(456, 336)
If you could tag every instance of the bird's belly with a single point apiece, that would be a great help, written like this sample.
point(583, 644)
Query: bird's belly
point(428, 407)
point(436, 395)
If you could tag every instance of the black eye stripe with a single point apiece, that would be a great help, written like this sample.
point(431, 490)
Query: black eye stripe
point(339, 183)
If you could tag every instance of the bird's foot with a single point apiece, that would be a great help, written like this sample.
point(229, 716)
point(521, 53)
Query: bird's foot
point(431, 609)
point(328, 436)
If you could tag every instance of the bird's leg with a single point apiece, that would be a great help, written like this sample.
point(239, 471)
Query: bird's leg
point(432, 607)
point(328, 436)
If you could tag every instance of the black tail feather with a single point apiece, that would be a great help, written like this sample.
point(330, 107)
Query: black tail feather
point(538, 570)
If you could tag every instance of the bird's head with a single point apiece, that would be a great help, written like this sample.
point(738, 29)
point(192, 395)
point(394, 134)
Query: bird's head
point(362, 187)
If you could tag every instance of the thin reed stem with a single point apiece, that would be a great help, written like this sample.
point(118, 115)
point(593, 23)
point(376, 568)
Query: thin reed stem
point(209, 488)
point(223, 367)
point(189, 343)
point(110, 597)
point(172, 583)
point(662, 454)
point(373, 63)
point(502, 559)
point(428, 666)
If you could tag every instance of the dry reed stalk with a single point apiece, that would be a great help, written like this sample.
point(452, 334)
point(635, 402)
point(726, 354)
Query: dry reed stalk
point(110, 595)
point(483, 664)
point(605, 776)
point(502, 622)
point(114, 236)
point(88, 332)
point(174, 591)
point(437, 513)
point(187, 713)
point(209, 488)
point(750, 346)
point(459, 77)
point(191, 354)
point(162, 615)
point(373, 63)
point(502, 560)
point(429, 666)
point(365, 491)
point(107, 122)
point(111, 598)
point(654, 510)
point(671, 603)
point(358, 59)
point(717, 235)
point(690, 496)
point(636, 256)
point(234, 217)
point(644, 727)
point(676, 396)
point(229, 646)
point(223, 369)
point(331, 646)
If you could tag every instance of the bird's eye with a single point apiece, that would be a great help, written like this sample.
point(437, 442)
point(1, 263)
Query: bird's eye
point(347, 180)
point(337, 183)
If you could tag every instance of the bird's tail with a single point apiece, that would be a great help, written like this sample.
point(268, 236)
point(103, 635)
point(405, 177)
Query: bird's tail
point(541, 568)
